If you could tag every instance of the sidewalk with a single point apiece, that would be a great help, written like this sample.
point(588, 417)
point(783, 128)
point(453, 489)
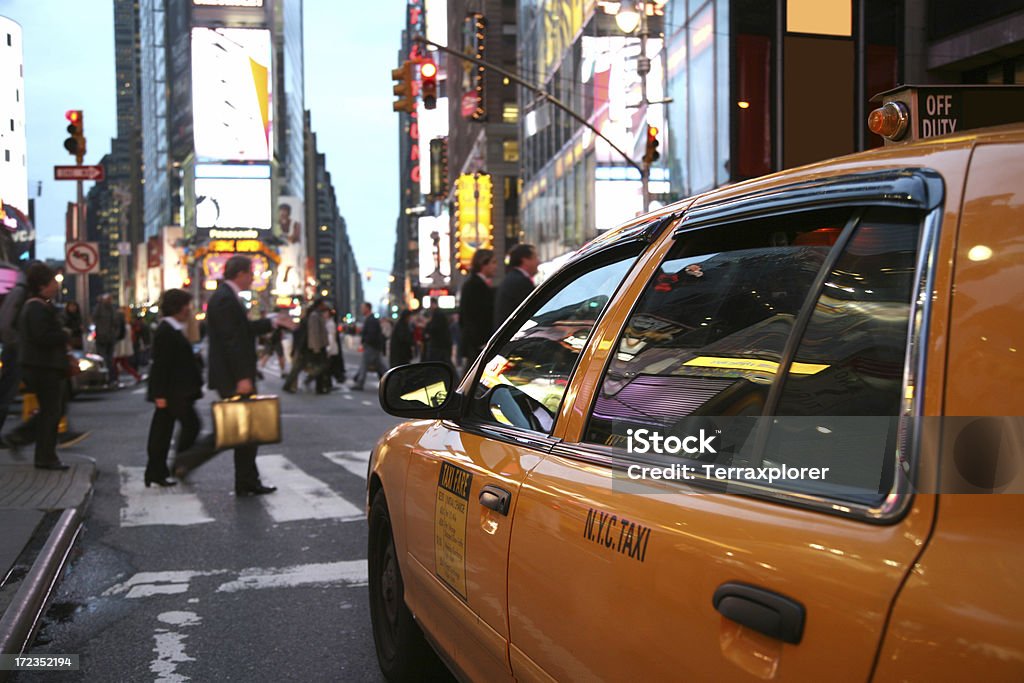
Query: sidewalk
point(41, 514)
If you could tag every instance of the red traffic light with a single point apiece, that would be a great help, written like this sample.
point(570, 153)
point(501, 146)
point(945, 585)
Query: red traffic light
point(75, 144)
point(428, 83)
point(651, 153)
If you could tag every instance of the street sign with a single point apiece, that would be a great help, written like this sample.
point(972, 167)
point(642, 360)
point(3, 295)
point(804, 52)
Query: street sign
point(82, 257)
point(97, 173)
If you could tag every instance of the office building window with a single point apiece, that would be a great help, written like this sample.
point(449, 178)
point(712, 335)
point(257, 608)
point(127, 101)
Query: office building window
point(821, 17)
point(510, 150)
point(510, 112)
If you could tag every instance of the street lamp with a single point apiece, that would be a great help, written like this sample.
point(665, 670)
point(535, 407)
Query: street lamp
point(627, 18)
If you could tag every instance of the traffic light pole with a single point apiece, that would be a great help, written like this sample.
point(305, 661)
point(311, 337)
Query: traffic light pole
point(643, 68)
point(82, 286)
point(543, 94)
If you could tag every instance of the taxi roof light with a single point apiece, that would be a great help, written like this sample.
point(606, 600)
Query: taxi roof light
point(890, 120)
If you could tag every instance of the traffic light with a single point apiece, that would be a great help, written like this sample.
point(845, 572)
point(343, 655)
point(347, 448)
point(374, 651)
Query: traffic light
point(651, 153)
point(75, 144)
point(428, 83)
point(403, 88)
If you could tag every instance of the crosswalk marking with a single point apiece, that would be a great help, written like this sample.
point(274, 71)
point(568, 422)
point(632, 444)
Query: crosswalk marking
point(148, 584)
point(300, 496)
point(145, 507)
point(352, 573)
point(353, 461)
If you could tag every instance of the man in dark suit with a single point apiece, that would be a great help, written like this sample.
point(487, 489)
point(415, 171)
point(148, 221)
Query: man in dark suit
point(518, 283)
point(373, 348)
point(175, 384)
point(232, 363)
point(476, 304)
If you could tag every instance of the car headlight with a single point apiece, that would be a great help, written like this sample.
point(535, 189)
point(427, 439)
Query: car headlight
point(85, 365)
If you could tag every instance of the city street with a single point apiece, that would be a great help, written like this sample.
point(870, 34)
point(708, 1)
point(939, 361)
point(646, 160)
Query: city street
point(192, 583)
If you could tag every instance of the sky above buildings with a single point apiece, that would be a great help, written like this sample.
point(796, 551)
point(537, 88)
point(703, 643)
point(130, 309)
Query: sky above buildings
point(69, 64)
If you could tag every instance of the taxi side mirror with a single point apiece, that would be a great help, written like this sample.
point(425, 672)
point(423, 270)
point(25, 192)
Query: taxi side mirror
point(420, 390)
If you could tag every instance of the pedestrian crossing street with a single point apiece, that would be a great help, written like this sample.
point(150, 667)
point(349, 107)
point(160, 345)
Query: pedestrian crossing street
point(299, 495)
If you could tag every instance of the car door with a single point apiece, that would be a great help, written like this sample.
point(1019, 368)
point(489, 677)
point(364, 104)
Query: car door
point(779, 333)
point(464, 476)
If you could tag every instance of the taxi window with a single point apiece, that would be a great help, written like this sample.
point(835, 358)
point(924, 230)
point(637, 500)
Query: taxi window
point(523, 381)
point(849, 364)
point(703, 347)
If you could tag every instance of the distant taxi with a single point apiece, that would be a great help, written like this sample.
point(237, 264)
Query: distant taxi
point(768, 433)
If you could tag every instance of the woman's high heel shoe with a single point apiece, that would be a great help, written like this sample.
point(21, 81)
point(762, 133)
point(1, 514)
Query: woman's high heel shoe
point(160, 482)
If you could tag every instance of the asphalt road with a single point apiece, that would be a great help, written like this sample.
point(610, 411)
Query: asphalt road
point(192, 583)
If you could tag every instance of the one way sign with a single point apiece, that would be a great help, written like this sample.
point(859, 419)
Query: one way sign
point(97, 173)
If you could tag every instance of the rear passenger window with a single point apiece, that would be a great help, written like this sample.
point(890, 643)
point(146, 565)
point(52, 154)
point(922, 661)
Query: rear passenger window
point(856, 347)
point(748, 333)
point(524, 380)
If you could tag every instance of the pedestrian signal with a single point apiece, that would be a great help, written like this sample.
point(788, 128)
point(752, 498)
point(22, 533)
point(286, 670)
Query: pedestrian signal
point(403, 88)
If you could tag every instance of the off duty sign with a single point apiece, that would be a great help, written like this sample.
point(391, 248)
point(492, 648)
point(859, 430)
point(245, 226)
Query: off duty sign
point(82, 257)
point(941, 110)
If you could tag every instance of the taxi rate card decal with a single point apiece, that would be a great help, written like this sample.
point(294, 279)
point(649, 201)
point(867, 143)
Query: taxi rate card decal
point(450, 517)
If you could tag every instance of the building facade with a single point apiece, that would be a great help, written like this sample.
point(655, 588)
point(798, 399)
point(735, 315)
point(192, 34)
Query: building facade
point(483, 155)
point(109, 204)
point(210, 113)
point(333, 273)
point(735, 89)
point(13, 143)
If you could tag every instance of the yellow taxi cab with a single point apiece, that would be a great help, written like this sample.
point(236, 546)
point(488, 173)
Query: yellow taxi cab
point(768, 433)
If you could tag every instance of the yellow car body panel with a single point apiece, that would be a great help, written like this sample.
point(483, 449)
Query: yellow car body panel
point(584, 581)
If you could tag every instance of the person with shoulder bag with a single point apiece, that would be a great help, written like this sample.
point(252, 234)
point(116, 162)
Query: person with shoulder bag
point(44, 362)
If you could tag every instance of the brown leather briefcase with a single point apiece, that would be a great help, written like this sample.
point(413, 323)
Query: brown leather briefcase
point(246, 421)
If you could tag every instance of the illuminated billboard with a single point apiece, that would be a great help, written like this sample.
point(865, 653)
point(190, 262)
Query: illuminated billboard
point(229, 3)
point(435, 250)
point(609, 69)
point(473, 228)
point(232, 94)
point(233, 197)
point(290, 219)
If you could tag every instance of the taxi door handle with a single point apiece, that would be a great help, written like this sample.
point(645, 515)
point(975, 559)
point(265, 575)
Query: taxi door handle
point(762, 610)
point(495, 498)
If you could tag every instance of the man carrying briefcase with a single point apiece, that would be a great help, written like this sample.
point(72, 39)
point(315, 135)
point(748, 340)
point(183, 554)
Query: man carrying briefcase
point(232, 368)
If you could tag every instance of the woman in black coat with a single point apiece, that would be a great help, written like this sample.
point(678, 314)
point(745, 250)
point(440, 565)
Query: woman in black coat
point(71, 319)
point(175, 384)
point(439, 337)
point(44, 362)
point(401, 340)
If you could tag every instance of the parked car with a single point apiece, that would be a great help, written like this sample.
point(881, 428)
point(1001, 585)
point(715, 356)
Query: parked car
point(92, 372)
point(831, 359)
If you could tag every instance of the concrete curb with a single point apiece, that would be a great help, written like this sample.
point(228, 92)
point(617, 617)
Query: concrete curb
point(20, 622)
